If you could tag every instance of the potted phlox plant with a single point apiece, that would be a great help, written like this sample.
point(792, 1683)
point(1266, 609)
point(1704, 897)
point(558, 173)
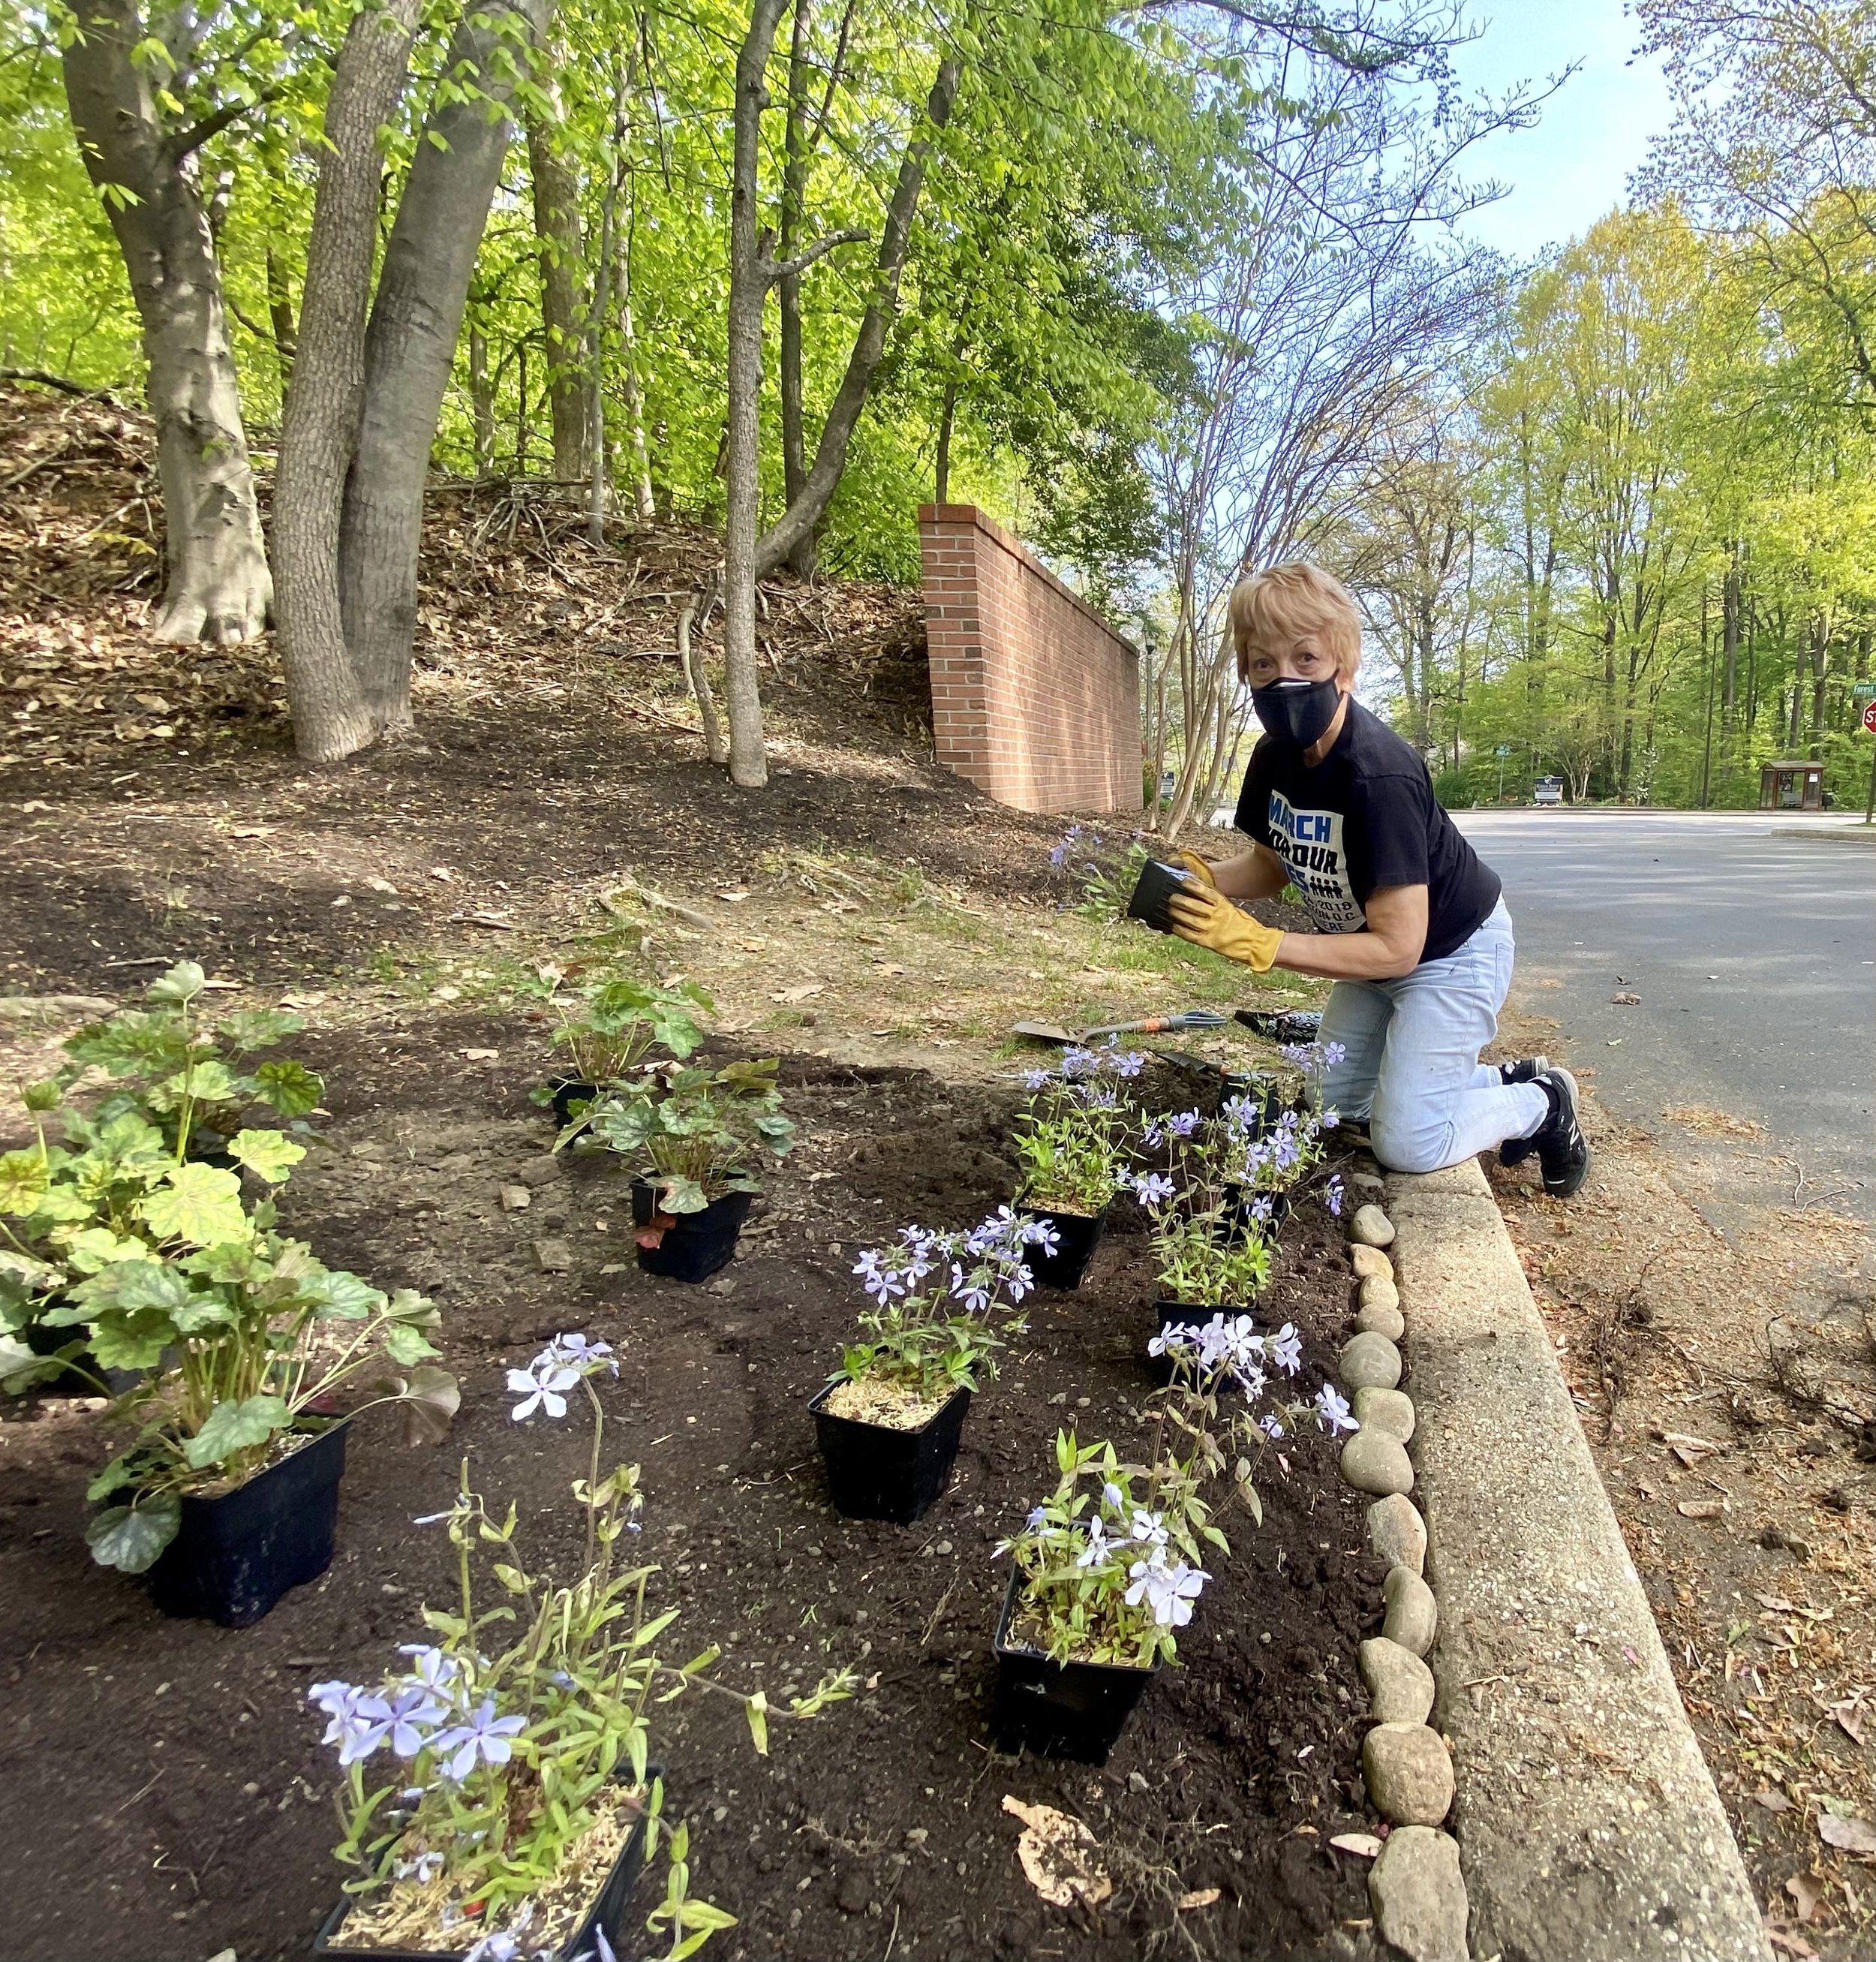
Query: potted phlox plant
point(1070, 1152)
point(500, 1797)
point(694, 1137)
point(945, 1304)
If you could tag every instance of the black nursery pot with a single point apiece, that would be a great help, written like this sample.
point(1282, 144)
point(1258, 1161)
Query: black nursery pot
point(1239, 1219)
point(875, 1472)
point(1059, 1709)
point(1167, 1313)
point(235, 1554)
point(1157, 884)
point(568, 1091)
point(1078, 1234)
point(608, 1915)
point(699, 1243)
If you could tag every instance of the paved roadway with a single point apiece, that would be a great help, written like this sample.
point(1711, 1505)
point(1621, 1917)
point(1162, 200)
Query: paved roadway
point(1751, 940)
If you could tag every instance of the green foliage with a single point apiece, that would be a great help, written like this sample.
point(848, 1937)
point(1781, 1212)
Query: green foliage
point(617, 1023)
point(700, 1132)
point(1204, 1261)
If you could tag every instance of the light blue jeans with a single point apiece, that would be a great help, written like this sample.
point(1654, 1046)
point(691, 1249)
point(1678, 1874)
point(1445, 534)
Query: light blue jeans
point(1412, 1070)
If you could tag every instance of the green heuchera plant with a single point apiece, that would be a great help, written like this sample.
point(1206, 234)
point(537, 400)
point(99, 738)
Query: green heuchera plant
point(697, 1132)
point(192, 1077)
point(510, 1731)
point(619, 1022)
point(1206, 1261)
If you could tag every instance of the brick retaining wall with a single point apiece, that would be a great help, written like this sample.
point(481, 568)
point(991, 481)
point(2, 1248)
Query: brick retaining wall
point(1035, 699)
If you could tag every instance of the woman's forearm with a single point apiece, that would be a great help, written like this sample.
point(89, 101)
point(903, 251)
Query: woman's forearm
point(1345, 956)
point(1255, 874)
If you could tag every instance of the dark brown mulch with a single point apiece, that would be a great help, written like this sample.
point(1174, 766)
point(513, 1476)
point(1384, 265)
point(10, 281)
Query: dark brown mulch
point(161, 1784)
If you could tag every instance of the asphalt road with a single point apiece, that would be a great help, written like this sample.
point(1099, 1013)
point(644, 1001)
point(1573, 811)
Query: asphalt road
point(1751, 942)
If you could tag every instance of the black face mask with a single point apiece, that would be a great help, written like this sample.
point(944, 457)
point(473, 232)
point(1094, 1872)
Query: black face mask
point(1296, 712)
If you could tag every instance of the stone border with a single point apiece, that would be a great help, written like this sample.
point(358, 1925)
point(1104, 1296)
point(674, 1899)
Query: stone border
point(1588, 1821)
point(1415, 1886)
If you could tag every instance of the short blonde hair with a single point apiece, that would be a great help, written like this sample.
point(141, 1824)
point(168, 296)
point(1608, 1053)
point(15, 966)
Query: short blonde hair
point(1288, 600)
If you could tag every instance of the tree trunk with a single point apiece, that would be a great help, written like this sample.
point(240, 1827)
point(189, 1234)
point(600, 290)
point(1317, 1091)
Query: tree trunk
point(947, 416)
point(748, 764)
point(320, 425)
point(280, 318)
point(788, 288)
point(481, 401)
point(1729, 637)
point(411, 342)
point(1819, 660)
point(218, 587)
point(642, 502)
point(562, 303)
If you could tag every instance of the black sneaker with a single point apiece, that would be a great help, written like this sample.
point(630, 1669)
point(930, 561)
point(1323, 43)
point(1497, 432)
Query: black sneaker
point(1562, 1150)
point(1526, 1070)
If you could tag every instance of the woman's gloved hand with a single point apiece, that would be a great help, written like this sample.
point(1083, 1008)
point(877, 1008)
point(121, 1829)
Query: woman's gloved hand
point(1199, 869)
point(1206, 920)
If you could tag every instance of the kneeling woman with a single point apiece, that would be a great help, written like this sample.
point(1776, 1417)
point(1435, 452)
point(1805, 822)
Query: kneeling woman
point(1411, 926)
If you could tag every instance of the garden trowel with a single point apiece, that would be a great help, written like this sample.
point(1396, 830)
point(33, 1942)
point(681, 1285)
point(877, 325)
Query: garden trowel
point(1153, 1025)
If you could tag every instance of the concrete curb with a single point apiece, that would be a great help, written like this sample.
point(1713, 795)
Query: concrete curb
point(1587, 1821)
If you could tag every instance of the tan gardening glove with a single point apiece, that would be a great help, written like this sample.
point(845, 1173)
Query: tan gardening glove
point(1206, 920)
point(1199, 869)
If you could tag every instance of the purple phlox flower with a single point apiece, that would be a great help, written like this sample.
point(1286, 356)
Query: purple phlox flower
point(1152, 1188)
point(1169, 1590)
point(1241, 1113)
point(1175, 1335)
point(1184, 1124)
point(1036, 1519)
point(1099, 1097)
point(972, 1294)
point(360, 1731)
point(1078, 1062)
point(883, 1283)
point(1261, 1208)
point(1152, 1136)
point(1041, 1233)
point(1285, 1150)
point(1268, 1425)
point(335, 1699)
point(481, 1734)
point(502, 1944)
point(601, 1949)
point(1286, 1349)
point(1128, 1062)
point(432, 1669)
point(1036, 1079)
point(1331, 1195)
point(414, 1714)
point(543, 1385)
point(1019, 1281)
point(1333, 1053)
point(1149, 1529)
point(1096, 1551)
point(1112, 1496)
point(578, 1353)
point(1330, 1120)
point(423, 1869)
point(1332, 1410)
point(1058, 855)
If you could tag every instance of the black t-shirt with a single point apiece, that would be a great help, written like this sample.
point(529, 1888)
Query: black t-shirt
point(1364, 816)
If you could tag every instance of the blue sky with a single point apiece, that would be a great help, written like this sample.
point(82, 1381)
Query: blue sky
point(1567, 172)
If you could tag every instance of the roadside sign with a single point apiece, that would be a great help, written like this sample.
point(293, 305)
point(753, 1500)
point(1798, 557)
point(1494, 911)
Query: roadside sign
point(1504, 749)
point(1869, 718)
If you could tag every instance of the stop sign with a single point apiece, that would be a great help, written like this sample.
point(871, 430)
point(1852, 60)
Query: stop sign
point(1869, 718)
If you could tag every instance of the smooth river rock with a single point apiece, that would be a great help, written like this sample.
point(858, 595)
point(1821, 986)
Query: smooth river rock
point(1390, 1410)
point(1388, 1322)
point(1418, 1895)
point(1397, 1534)
point(1413, 1616)
point(1369, 1361)
point(1377, 1291)
point(1371, 1263)
point(1372, 1462)
point(1400, 1686)
point(1371, 1227)
point(1409, 1773)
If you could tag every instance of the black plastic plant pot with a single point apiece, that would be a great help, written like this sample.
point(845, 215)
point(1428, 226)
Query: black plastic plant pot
point(875, 1472)
point(694, 1244)
point(1157, 884)
point(568, 1091)
point(235, 1554)
point(1077, 1235)
point(1170, 1313)
point(1072, 1710)
point(1240, 1219)
point(609, 1915)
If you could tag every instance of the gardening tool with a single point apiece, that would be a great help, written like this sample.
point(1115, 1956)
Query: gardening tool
point(1285, 1025)
point(1153, 1025)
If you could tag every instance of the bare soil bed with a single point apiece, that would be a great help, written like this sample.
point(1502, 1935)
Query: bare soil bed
point(165, 1793)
